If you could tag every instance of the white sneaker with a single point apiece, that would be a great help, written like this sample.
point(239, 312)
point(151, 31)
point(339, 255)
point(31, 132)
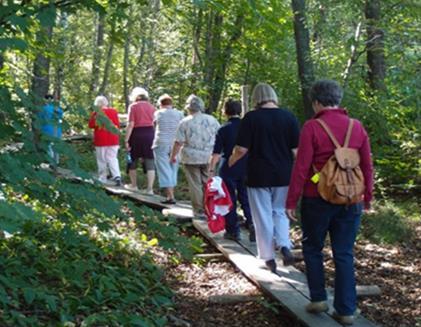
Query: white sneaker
point(148, 192)
point(131, 188)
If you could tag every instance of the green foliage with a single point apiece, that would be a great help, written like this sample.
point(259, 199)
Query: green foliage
point(391, 222)
point(52, 274)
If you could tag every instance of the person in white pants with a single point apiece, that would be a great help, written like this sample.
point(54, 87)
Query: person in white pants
point(270, 137)
point(106, 158)
point(106, 125)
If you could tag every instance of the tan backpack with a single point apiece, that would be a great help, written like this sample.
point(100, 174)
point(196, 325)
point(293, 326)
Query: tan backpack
point(341, 180)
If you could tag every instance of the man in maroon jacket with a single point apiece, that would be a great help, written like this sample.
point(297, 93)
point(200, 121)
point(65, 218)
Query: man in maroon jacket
point(319, 217)
point(105, 123)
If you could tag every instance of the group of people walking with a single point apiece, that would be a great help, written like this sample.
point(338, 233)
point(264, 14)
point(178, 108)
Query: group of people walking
point(267, 164)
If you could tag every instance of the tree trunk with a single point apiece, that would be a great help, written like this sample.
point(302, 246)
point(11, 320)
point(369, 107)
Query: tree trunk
point(156, 7)
point(107, 66)
point(375, 46)
point(59, 68)
point(40, 83)
point(41, 79)
point(220, 71)
point(354, 55)
point(197, 62)
point(304, 61)
point(126, 68)
point(97, 54)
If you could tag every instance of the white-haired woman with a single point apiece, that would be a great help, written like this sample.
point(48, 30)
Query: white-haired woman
point(270, 136)
point(139, 138)
point(106, 126)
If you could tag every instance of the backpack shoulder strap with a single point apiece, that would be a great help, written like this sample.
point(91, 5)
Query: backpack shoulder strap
point(348, 132)
point(331, 136)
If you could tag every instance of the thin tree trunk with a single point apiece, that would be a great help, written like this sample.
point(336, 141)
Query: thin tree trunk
point(375, 46)
point(137, 71)
point(224, 59)
point(126, 68)
point(59, 69)
point(97, 54)
point(40, 83)
point(107, 66)
point(354, 55)
point(197, 62)
point(41, 77)
point(304, 61)
point(155, 4)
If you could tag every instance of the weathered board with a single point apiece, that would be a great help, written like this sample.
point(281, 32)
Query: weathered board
point(298, 281)
point(272, 284)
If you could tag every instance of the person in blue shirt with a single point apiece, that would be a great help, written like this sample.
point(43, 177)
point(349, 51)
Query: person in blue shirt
point(234, 177)
point(51, 116)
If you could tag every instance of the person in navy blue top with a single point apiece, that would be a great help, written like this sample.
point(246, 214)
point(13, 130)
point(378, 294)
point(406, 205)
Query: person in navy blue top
point(233, 177)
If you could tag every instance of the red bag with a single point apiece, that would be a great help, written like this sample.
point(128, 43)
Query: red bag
point(217, 203)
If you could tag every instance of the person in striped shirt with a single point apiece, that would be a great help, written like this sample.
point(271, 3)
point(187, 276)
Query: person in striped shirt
point(166, 121)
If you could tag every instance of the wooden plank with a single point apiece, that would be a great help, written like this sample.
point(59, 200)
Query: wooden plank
point(272, 284)
point(210, 256)
point(363, 290)
point(298, 280)
point(232, 298)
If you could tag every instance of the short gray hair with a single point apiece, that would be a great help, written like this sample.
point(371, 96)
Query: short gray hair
point(326, 92)
point(263, 93)
point(101, 101)
point(195, 104)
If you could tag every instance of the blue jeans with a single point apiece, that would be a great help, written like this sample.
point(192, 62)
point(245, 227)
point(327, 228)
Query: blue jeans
point(237, 190)
point(319, 217)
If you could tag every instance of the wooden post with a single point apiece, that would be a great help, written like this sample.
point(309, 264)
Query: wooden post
point(244, 99)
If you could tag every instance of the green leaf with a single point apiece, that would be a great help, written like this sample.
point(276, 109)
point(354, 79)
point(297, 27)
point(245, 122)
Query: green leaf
point(51, 302)
point(13, 43)
point(29, 295)
point(47, 16)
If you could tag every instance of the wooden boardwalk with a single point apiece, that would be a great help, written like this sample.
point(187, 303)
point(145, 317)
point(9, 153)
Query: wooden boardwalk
point(288, 286)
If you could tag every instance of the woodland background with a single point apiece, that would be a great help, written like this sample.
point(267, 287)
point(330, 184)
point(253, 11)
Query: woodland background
point(79, 49)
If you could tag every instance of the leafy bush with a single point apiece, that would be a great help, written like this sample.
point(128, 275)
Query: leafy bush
point(391, 223)
point(52, 274)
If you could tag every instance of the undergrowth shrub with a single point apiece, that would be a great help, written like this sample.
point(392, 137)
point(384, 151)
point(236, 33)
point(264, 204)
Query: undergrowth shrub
point(53, 275)
point(390, 223)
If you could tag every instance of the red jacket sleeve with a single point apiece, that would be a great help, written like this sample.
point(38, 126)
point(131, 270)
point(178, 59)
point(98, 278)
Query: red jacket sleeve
point(366, 165)
point(92, 120)
point(301, 167)
point(115, 119)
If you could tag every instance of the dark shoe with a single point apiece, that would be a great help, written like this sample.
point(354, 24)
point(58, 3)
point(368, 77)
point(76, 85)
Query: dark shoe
point(287, 257)
point(232, 237)
point(168, 201)
point(117, 181)
point(252, 234)
point(271, 264)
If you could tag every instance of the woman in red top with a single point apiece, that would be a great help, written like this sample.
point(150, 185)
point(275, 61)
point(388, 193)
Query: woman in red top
point(106, 140)
point(319, 217)
point(139, 138)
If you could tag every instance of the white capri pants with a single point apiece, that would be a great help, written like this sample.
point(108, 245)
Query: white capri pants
point(267, 205)
point(106, 158)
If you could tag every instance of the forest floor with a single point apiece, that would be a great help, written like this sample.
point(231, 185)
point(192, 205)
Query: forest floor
point(395, 269)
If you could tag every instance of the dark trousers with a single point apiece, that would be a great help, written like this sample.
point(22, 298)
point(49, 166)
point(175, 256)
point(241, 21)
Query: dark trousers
point(318, 218)
point(238, 191)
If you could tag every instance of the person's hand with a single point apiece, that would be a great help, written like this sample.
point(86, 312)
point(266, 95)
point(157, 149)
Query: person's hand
point(211, 173)
point(173, 159)
point(291, 214)
point(128, 148)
